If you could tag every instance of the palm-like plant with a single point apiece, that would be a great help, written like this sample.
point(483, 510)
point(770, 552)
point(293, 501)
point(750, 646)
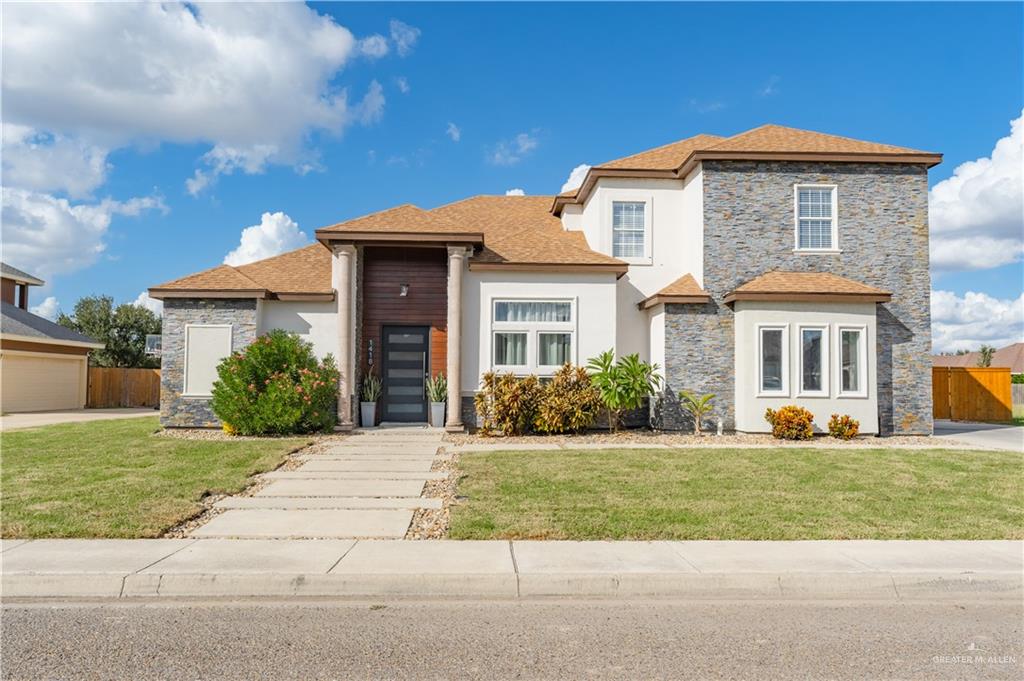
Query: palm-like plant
point(623, 384)
point(371, 388)
point(437, 388)
point(985, 355)
point(698, 407)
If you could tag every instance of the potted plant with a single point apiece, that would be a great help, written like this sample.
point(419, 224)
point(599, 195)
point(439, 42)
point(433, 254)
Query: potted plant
point(368, 404)
point(437, 392)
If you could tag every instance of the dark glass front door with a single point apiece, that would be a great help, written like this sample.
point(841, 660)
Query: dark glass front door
point(406, 359)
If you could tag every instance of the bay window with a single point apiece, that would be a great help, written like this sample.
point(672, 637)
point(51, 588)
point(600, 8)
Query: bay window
point(772, 360)
point(813, 360)
point(852, 359)
point(532, 336)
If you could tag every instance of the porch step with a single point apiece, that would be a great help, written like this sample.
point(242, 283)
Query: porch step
point(291, 503)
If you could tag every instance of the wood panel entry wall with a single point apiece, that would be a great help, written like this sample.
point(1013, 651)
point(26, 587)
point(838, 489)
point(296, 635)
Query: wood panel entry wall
point(425, 271)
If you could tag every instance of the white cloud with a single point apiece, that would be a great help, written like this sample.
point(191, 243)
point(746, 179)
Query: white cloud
point(152, 304)
point(453, 132)
point(771, 87)
point(48, 308)
point(511, 152)
point(47, 235)
point(976, 318)
point(46, 162)
point(246, 78)
point(275, 234)
point(515, 192)
point(576, 177)
point(977, 215)
point(706, 106)
point(403, 85)
point(374, 46)
point(405, 37)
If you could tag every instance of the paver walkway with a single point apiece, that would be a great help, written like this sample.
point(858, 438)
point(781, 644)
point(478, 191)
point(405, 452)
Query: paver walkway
point(367, 485)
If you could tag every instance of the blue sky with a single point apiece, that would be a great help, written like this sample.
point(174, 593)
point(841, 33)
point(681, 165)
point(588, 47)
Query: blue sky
point(534, 90)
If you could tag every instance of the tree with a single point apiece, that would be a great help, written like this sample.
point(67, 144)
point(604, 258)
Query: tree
point(122, 330)
point(698, 406)
point(985, 355)
point(624, 384)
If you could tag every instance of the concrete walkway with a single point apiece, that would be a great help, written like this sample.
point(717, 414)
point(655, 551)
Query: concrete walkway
point(48, 418)
point(987, 435)
point(843, 570)
point(367, 485)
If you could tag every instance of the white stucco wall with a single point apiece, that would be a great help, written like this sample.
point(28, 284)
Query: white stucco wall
point(656, 316)
point(675, 214)
point(750, 408)
point(594, 321)
point(314, 322)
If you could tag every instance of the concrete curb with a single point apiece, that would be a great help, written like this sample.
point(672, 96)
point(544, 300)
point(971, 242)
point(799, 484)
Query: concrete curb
point(701, 586)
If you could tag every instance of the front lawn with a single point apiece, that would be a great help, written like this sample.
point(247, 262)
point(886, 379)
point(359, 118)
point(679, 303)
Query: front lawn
point(117, 479)
point(740, 494)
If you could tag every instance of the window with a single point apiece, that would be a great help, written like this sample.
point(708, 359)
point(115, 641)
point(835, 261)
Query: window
point(532, 336)
point(816, 218)
point(205, 346)
point(629, 229)
point(852, 354)
point(772, 360)
point(813, 360)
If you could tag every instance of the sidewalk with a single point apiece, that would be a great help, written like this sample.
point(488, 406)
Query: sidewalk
point(35, 419)
point(846, 570)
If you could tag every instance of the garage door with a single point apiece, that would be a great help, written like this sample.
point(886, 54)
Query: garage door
point(30, 383)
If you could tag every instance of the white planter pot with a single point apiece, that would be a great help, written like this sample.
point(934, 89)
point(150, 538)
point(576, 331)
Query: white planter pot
point(368, 414)
point(437, 414)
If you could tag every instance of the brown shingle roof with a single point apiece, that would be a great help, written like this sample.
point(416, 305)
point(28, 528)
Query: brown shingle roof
point(685, 289)
point(520, 231)
point(1011, 356)
point(404, 219)
point(796, 286)
point(665, 157)
point(305, 272)
point(778, 138)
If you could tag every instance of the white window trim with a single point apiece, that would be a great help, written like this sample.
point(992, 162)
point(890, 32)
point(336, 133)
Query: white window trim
point(184, 373)
point(863, 359)
point(533, 331)
point(759, 329)
point(824, 360)
point(631, 197)
point(835, 218)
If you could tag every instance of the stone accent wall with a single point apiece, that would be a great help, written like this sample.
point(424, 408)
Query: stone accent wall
point(748, 230)
point(195, 412)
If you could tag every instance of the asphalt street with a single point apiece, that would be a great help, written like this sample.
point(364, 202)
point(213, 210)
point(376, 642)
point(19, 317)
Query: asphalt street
point(513, 640)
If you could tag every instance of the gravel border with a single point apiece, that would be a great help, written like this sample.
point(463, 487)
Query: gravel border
point(675, 438)
point(433, 523)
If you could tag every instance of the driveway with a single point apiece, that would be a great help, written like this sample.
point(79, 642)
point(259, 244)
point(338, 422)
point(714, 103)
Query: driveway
point(49, 418)
point(988, 435)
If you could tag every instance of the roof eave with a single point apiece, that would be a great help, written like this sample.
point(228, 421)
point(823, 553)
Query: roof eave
point(327, 237)
point(659, 299)
point(611, 268)
point(46, 340)
point(162, 293)
point(807, 297)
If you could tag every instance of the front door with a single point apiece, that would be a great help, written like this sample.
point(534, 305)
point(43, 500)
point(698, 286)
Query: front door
point(405, 366)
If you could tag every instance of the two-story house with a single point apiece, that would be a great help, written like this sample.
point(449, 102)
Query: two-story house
point(772, 267)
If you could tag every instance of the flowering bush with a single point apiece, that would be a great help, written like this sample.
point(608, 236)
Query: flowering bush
point(276, 386)
point(843, 427)
point(791, 422)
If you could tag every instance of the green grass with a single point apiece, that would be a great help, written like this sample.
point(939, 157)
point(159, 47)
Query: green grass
point(1018, 414)
point(116, 479)
point(741, 494)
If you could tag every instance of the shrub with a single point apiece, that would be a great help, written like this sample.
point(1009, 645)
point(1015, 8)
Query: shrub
point(569, 403)
point(698, 406)
point(507, 404)
point(622, 384)
point(843, 427)
point(790, 422)
point(1016, 378)
point(437, 388)
point(276, 386)
point(372, 388)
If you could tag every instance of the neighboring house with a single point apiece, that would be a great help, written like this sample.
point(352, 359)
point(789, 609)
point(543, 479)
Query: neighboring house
point(776, 266)
point(43, 366)
point(1011, 356)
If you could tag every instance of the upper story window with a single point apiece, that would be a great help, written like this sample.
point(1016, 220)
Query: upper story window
point(816, 224)
point(532, 336)
point(629, 229)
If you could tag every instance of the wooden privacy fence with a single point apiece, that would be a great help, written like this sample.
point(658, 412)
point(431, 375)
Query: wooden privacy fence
point(971, 393)
point(115, 387)
point(1018, 393)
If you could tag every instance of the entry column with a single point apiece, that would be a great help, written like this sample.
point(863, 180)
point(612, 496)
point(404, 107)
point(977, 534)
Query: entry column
point(456, 259)
point(344, 266)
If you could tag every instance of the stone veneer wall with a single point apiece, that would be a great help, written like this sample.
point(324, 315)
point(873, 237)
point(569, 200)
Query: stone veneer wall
point(748, 230)
point(195, 412)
